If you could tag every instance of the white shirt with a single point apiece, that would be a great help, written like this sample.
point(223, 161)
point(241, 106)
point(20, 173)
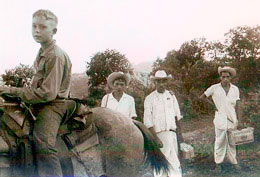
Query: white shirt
point(160, 110)
point(126, 105)
point(225, 117)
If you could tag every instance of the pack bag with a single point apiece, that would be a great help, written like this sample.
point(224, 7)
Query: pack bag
point(244, 136)
point(14, 118)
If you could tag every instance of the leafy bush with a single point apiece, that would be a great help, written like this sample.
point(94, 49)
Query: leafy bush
point(98, 69)
point(20, 76)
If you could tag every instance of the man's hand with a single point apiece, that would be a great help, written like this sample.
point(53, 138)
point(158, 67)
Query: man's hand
point(9, 90)
point(241, 125)
point(159, 142)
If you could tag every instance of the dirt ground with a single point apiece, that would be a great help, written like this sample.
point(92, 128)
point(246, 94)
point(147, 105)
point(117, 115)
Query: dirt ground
point(200, 134)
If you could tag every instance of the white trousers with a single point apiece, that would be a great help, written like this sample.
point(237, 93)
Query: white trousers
point(223, 148)
point(170, 150)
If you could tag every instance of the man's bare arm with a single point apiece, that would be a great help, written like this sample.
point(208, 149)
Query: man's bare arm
point(179, 130)
point(239, 112)
point(203, 97)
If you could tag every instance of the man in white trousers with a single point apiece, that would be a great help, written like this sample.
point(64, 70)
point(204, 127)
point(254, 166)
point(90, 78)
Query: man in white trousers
point(225, 97)
point(160, 109)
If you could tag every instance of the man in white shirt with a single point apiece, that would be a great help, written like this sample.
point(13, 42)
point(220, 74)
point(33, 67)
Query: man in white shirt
point(118, 100)
point(225, 97)
point(161, 116)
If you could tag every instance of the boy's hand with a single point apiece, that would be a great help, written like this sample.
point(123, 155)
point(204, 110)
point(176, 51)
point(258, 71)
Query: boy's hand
point(3, 89)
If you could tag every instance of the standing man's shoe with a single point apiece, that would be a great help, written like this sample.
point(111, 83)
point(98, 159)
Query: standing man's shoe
point(237, 167)
point(217, 168)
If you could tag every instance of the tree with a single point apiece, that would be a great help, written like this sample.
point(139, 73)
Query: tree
point(104, 63)
point(192, 74)
point(180, 63)
point(98, 69)
point(243, 49)
point(19, 76)
point(243, 42)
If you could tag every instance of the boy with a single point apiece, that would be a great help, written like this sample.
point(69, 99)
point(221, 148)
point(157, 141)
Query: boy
point(118, 100)
point(49, 88)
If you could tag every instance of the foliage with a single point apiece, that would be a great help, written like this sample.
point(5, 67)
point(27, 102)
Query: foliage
point(243, 47)
point(243, 42)
point(19, 76)
point(192, 74)
point(251, 112)
point(194, 67)
point(98, 69)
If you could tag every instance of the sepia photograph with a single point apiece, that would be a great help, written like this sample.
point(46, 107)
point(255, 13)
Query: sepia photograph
point(130, 88)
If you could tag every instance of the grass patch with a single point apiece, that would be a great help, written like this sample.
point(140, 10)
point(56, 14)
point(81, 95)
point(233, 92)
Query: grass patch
point(202, 165)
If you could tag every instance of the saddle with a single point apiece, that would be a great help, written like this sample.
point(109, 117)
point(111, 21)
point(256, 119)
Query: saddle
point(79, 128)
point(84, 135)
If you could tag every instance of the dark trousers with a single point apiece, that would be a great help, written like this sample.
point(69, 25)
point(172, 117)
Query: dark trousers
point(45, 132)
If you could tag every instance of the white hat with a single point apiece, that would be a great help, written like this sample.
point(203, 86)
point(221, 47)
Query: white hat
point(115, 75)
point(232, 71)
point(161, 74)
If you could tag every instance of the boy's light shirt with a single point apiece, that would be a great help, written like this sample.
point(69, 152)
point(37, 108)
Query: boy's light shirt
point(126, 105)
point(51, 79)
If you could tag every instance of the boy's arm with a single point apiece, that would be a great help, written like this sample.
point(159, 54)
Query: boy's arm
point(133, 111)
point(48, 90)
point(104, 101)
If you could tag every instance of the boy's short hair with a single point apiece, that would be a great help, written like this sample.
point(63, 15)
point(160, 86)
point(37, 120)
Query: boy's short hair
point(48, 15)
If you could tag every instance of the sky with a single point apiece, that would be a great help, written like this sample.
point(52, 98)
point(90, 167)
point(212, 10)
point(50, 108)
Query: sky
point(142, 30)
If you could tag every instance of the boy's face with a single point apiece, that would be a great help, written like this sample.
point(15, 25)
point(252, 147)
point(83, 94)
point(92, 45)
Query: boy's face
point(42, 29)
point(119, 85)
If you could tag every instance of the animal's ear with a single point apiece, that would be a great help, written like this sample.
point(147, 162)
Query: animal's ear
point(83, 110)
point(88, 112)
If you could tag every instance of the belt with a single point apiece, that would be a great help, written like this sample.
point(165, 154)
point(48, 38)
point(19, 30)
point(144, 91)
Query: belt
point(171, 130)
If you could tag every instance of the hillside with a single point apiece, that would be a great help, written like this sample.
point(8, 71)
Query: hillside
point(79, 86)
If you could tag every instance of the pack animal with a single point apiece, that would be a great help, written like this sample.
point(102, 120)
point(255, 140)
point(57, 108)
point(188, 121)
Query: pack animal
point(121, 145)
